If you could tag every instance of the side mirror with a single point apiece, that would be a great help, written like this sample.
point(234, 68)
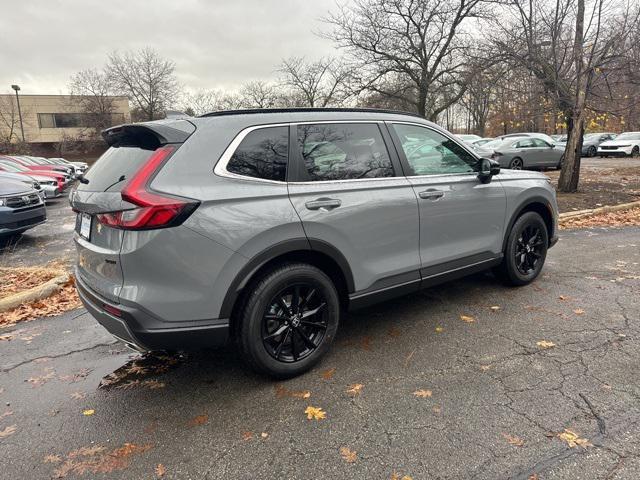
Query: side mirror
point(488, 168)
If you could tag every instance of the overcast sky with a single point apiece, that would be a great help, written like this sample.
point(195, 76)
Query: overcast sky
point(215, 44)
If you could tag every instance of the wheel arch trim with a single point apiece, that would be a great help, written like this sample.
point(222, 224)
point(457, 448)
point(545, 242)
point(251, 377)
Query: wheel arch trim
point(278, 250)
point(524, 206)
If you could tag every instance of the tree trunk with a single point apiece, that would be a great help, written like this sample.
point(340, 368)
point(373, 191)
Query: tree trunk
point(570, 174)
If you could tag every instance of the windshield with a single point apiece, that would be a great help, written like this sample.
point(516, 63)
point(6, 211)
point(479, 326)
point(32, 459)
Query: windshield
point(113, 169)
point(629, 136)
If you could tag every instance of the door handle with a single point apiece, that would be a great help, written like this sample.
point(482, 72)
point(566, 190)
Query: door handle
point(325, 204)
point(431, 194)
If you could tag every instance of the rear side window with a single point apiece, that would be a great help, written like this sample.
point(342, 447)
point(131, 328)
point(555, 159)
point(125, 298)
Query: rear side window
point(114, 168)
point(263, 153)
point(342, 151)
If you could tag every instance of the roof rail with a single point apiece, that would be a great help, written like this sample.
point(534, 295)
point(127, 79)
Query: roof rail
point(248, 111)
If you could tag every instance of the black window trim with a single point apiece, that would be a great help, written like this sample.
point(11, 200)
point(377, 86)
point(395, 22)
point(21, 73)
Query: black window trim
point(405, 163)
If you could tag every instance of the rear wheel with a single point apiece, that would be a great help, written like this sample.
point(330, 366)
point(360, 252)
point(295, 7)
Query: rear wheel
point(525, 252)
point(635, 151)
point(288, 321)
point(591, 151)
point(516, 164)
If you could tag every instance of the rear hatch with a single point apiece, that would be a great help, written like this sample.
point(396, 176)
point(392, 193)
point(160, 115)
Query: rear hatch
point(102, 212)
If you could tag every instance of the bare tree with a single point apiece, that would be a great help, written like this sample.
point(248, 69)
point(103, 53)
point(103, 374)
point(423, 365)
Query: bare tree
point(93, 90)
point(146, 78)
point(567, 45)
point(10, 134)
point(259, 94)
point(315, 84)
point(421, 43)
point(204, 101)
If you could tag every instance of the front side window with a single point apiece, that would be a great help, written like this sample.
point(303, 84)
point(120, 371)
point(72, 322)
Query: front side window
point(431, 153)
point(541, 143)
point(263, 153)
point(343, 151)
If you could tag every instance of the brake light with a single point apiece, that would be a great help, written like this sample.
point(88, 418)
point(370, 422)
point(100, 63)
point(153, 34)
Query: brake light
point(155, 210)
point(112, 310)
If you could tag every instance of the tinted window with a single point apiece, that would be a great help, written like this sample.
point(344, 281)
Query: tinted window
point(431, 153)
point(528, 143)
point(114, 168)
point(262, 154)
point(341, 151)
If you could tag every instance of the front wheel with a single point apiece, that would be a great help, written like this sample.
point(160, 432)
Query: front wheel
point(635, 151)
point(591, 151)
point(525, 252)
point(289, 320)
point(516, 164)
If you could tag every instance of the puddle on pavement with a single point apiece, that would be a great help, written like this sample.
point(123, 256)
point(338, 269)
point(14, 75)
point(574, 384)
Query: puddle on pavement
point(140, 370)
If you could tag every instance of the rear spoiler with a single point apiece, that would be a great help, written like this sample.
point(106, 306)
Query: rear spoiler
point(150, 135)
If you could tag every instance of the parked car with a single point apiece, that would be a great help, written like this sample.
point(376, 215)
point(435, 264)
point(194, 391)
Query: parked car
point(625, 144)
point(41, 163)
point(79, 167)
point(21, 207)
point(38, 167)
point(480, 142)
point(590, 142)
point(542, 136)
point(557, 137)
point(52, 182)
point(519, 153)
point(468, 137)
point(264, 225)
point(27, 180)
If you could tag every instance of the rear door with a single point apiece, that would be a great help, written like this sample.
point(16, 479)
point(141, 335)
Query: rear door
point(350, 192)
point(461, 219)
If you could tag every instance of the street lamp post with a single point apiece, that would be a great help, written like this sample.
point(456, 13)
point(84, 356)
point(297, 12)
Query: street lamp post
point(17, 89)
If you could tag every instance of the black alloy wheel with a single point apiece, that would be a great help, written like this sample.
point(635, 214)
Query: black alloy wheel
point(294, 323)
point(591, 151)
point(529, 249)
point(635, 151)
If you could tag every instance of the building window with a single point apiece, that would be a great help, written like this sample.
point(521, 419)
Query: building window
point(78, 120)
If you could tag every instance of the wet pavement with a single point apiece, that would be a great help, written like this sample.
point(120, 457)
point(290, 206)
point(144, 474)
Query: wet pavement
point(540, 382)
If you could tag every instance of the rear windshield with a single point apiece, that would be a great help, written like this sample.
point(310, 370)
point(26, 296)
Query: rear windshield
point(114, 168)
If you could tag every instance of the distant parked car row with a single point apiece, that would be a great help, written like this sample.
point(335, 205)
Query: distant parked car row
point(25, 183)
point(539, 150)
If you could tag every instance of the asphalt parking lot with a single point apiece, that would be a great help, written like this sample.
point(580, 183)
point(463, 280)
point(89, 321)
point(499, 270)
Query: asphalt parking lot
point(547, 384)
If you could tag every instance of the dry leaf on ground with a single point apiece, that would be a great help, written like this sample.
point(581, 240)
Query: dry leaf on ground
point(348, 455)
point(579, 311)
point(282, 391)
point(10, 430)
point(88, 412)
point(315, 413)
point(515, 441)
point(97, 459)
point(198, 420)
point(467, 318)
point(611, 219)
point(573, 439)
point(355, 389)
point(328, 374)
point(545, 344)
point(423, 393)
point(160, 470)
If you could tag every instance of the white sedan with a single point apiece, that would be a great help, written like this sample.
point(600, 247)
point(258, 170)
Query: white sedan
point(625, 144)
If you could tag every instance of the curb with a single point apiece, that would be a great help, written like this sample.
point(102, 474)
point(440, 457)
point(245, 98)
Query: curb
point(36, 293)
point(596, 211)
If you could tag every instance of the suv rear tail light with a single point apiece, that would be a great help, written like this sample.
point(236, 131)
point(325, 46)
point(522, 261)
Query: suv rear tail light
point(154, 210)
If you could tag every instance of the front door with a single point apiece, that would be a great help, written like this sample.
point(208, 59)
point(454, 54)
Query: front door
point(350, 193)
point(461, 219)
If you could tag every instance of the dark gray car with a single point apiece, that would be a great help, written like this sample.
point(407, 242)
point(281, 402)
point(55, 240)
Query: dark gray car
point(590, 142)
point(21, 207)
point(262, 226)
point(519, 153)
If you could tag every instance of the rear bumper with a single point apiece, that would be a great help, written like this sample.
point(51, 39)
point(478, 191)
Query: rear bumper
point(137, 328)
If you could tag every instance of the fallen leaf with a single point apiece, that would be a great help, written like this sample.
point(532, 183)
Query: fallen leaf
point(495, 308)
point(395, 476)
point(437, 409)
point(355, 389)
point(484, 368)
point(199, 420)
point(6, 337)
point(52, 459)
point(88, 412)
point(348, 455)
point(264, 434)
point(573, 439)
point(160, 470)
point(247, 436)
point(467, 318)
point(579, 311)
point(315, 413)
point(10, 430)
point(439, 329)
point(78, 395)
point(545, 344)
point(515, 441)
point(282, 391)
point(6, 414)
point(423, 393)
point(328, 374)
point(97, 460)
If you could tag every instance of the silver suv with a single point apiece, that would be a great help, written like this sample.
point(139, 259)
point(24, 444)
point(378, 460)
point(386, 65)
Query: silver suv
point(263, 225)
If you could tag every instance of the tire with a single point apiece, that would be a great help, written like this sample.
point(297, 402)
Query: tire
point(635, 151)
point(516, 164)
point(559, 166)
point(262, 315)
point(520, 265)
point(591, 151)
